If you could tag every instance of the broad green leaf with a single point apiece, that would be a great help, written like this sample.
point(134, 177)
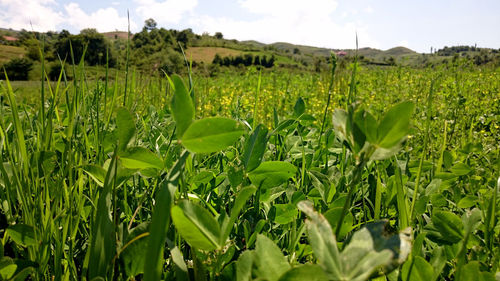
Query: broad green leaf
point(299, 107)
point(203, 177)
point(272, 173)
point(310, 272)
point(322, 241)
point(16, 269)
point(196, 225)
point(255, 146)
point(239, 203)
point(333, 216)
point(395, 125)
point(140, 158)
point(22, 234)
point(368, 125)
point(125, 127)
point(244, 266)
point(449, 225)
point(283, 213)
point(417, 269)
point(211, 134)
point(360, 258)
point(339, 122)
point(472, 272)
point(182, 106)
point(461, 169)
point(133, 252)
point(270, 263)
point(467, 202)
point(97, 173)
point(180, 266)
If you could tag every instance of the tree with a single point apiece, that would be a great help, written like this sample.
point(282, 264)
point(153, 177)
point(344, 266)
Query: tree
point(150, 24)
point(17, 69)
point(247, 59)
point(217, 60)
point(94, 42)
point(219, 35)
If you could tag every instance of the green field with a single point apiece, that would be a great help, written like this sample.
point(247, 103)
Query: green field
point(9, 52)
point(360, 173)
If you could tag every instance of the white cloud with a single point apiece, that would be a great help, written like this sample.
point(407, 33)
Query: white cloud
point(103, 20)
point(165, 12)
point(288, 21)
point(37, 14)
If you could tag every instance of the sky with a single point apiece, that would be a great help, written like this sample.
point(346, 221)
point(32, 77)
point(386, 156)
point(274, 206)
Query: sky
point(382, 24)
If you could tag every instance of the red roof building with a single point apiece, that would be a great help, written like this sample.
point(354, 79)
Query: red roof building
point(9, 38)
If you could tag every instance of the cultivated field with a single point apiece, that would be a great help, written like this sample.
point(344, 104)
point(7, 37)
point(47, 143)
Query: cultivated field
point(360, 173)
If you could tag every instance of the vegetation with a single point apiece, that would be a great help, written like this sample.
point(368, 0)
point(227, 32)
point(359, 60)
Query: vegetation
point(357, 172)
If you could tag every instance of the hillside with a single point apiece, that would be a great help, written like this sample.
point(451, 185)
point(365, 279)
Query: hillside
point(10, 52)
point(207, 54)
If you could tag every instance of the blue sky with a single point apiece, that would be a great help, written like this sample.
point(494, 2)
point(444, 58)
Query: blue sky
point(383, 24)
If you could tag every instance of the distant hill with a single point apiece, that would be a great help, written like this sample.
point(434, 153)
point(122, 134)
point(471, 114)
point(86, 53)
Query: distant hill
point(162, 46)
point(116, 35)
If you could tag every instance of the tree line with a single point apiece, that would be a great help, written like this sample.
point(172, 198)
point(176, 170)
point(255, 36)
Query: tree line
point(246, 60)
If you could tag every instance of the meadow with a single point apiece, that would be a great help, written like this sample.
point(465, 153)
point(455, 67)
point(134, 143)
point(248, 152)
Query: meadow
point(357, 173)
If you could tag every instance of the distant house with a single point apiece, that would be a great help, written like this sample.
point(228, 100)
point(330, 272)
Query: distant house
point(341, 54)
point(8, 39)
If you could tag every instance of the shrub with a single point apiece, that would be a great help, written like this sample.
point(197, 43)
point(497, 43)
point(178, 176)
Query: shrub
point(17, 69)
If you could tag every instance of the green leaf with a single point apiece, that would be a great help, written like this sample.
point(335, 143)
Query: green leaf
point(283, 213)
point(160, 221)
point(125, 127)
point(461, 169)
point(449, 225)
point(239, 203)
point(255, 146)
point(16, 269)
point(270, 263)
point(360, 258)
point(196, 225)
point(322, 240)
point(395, 125)
point(140, 158)
point(333, 216)
point(211, 134)
point(368, 125)
point(272, 173)
point(103, 243)
point(339, 121)
point(467, 202)
point(472, 272)
point(310, 272)
point(417, 270)
point(181, 269)
point(97, 173)
point(244, 266)
point(182, 106)
point(22, 234)
point(299, 108)
point(133, 254)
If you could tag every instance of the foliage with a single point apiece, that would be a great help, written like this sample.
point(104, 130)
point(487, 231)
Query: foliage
point(239, 177)
point(17, 69)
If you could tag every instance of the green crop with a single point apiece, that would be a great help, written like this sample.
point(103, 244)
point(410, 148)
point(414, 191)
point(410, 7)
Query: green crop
point(356, 174)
